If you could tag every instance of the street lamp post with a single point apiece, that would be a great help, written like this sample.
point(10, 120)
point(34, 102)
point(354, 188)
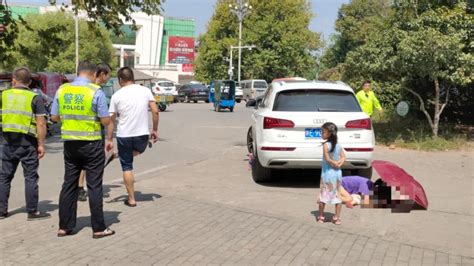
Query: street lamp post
point(240, 10)
point(76, 27)
point(231, 68)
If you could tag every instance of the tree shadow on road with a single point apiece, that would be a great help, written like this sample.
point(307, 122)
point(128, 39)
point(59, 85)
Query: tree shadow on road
point(139, 196)
point(111, 217)
point(295, 178)
point(106, 189)
point(44, 206)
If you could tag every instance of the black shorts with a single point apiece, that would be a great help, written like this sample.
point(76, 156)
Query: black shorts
point(126, 147)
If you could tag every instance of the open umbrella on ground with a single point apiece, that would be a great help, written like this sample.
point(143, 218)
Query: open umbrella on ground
point(412, 194)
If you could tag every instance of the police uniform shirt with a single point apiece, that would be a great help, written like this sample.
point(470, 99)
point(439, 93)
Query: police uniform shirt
point(20, 139)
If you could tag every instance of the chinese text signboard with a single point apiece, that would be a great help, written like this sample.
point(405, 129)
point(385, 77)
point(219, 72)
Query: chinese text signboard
point(180, 50)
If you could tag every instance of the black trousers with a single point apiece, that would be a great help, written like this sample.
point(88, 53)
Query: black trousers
point(12, 155)
point(88, 156)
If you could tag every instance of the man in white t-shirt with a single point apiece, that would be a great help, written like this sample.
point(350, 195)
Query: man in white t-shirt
point(130, 104)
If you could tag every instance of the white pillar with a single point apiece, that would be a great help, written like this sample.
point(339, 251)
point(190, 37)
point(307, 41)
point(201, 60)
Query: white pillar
point(122, 53)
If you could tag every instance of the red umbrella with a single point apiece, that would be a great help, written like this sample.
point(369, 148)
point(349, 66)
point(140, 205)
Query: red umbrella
point(395, 176)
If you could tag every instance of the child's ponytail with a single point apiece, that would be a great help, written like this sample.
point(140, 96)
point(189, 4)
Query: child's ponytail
point(332, 129)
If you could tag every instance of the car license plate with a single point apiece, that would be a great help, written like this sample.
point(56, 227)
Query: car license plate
point(312, 133)
point(202, 92)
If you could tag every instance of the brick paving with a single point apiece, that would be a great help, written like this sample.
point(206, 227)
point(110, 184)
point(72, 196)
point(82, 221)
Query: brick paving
point(176, 230)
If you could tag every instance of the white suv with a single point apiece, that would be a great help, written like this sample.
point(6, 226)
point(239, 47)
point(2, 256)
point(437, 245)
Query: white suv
point(285, 131)
point(165, 87)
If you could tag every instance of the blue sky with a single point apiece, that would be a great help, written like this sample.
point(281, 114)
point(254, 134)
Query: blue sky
point(201, 10)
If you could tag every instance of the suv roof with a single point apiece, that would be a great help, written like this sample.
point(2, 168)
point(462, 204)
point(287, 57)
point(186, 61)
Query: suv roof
point(310, 84)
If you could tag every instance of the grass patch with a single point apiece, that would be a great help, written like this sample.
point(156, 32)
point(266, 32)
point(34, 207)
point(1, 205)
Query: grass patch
point(416, 134)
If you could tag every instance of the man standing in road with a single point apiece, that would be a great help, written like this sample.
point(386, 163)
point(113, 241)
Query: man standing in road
point(101, 77)
point(82, 108)
point(367, 99)
point(130, 104)
point(24, 130)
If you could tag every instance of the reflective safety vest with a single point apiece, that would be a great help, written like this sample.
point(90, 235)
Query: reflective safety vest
point(78, 121)
point(368, 101)
point(17, 112)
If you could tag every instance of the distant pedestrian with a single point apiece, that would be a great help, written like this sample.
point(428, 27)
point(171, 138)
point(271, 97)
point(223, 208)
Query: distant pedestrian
point(331, 174)
point(130, 104)
point(24, 130)
point(82, 108)
point(101, 77)
point(367, 99)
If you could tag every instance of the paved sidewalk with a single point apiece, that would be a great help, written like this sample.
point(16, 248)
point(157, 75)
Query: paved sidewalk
point(177, 230)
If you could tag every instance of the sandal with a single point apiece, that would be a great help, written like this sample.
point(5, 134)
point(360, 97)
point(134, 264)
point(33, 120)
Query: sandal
point(320, 219)
point(107, 232)
point(63, 233)
point(126, 202)
point(336, 221)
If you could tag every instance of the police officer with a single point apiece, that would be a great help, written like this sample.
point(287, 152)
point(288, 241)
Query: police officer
point(24, 130)
point(82, 108)
point(102, 76)
point(368, 100)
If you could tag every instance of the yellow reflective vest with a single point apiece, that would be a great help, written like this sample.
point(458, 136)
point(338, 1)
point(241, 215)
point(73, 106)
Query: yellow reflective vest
point(368, 101)
point(17, 111)
point(78, 121)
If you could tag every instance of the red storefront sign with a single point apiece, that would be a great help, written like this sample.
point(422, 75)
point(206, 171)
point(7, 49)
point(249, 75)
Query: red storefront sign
point(188, 68)
point(180, 50)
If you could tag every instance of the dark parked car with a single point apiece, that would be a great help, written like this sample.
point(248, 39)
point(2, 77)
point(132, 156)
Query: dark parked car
point(193, 92)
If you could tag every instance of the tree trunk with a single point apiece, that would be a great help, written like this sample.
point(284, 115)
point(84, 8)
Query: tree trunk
point(434, 123)
point(437, 113)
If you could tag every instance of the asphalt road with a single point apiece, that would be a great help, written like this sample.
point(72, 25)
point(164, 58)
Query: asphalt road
point(188, 133)
point(201, 154)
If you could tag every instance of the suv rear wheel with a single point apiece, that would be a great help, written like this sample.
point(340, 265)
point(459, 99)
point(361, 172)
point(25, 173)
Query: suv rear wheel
point(250, 141)
point(260, 174)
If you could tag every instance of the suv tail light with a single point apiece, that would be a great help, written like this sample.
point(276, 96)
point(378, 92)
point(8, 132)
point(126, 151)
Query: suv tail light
point(269, 122)
point(361, 123)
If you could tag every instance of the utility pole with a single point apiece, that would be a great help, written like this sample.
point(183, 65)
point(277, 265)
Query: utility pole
point(240, 10)
point(231, 68)
point(231, 71)
point(76, 19)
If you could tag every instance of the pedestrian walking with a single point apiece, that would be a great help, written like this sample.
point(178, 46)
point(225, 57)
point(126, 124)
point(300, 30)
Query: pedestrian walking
point(130, 104)
point(331, 174)
point(24, 131)
point(367, 99)
point(82, 108)
point(101, 77)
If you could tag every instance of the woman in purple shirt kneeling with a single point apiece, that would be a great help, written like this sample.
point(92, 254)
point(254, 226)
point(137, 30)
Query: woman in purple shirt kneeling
point(352, 187)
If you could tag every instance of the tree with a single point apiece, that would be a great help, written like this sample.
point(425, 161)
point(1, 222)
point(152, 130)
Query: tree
point(280, 31)
point(48, 43)
point(112, 14)
point(354, 24)
point(433, 47)
point(427, 52)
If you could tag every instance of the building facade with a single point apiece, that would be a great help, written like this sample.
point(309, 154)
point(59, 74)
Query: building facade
point(162, 47)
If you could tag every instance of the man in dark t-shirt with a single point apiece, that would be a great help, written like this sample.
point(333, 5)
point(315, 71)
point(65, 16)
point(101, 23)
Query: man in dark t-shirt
point(24, 130)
